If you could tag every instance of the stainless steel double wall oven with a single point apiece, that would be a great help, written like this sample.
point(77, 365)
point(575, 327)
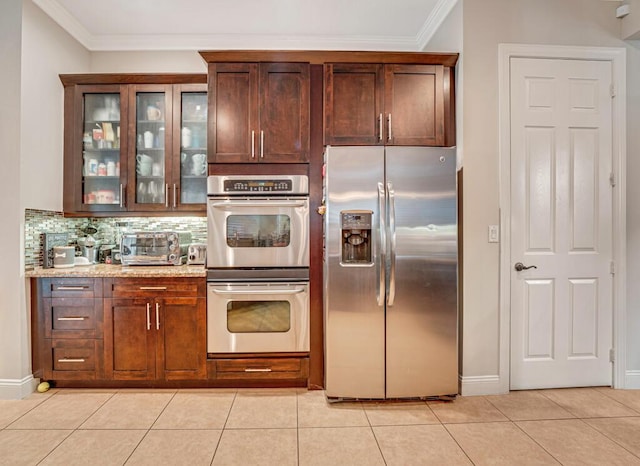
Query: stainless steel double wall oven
point(257, 263)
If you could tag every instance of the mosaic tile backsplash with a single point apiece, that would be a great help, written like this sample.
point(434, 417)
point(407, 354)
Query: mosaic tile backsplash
point(108, 229)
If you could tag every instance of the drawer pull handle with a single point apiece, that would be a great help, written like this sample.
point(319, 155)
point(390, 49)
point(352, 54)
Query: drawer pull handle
point(153, 287)
point(72, 288)
point(249, 369)
point(72, 318)
point(71, 360)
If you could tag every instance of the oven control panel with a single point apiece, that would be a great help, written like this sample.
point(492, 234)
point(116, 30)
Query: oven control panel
point(258, 186)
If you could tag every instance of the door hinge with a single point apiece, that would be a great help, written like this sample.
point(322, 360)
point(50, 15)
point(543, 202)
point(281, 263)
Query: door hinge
point(612, 179)
point(612, 355)
point(612, 268)
point(612, 90)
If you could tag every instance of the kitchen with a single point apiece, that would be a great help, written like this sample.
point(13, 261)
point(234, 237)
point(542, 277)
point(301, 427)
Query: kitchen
point(480, 359)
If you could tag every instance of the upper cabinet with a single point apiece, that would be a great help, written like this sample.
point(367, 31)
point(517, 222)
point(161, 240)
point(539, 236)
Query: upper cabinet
point(135, 143)
point(258, 112)
point(388, 104)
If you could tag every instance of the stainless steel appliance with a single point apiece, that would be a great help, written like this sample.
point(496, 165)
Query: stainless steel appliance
point(390, 291)
point(154, 248)
point(257, 264)
point(257, 317)
point(197, 254)
point(258, 221)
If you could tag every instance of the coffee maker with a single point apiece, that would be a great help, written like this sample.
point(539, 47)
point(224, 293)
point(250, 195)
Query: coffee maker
point(356, 236)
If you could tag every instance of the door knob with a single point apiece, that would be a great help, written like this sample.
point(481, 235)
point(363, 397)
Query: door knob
point(520, 267)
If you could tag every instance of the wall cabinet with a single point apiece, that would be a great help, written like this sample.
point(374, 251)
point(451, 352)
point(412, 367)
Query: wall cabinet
point(135, 143)
point(258, 112)
point(155, 329)
point(387, 104)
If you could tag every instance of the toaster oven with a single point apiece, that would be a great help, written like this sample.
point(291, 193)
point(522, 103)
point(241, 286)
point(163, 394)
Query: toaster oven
point(154, 248)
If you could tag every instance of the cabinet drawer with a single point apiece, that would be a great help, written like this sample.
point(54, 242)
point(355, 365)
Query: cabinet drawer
point(73, 287)
point(154, 288)
point(259, 368)
point(75, 359)
point(73, 318)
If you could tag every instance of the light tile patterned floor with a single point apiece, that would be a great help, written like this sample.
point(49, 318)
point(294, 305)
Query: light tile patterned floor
point(579, 426)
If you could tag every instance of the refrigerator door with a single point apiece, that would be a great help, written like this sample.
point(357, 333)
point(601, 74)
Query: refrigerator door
point(421, 320)
point(353, 298)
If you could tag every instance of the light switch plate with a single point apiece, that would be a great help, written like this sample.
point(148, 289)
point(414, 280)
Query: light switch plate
point(494, 234)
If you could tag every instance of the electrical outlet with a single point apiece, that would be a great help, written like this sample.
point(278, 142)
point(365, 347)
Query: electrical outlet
point(494, 234)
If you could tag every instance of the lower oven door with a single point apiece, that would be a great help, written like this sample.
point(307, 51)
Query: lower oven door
point(258, 232)
point(257, 318)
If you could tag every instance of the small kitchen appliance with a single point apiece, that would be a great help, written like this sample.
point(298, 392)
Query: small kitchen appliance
point(64, 257)
point(197, 254)
point(154, 248)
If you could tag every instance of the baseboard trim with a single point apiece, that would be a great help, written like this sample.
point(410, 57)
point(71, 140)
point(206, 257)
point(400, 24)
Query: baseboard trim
point(16, 389)
point(480, 385)
point(632, 379)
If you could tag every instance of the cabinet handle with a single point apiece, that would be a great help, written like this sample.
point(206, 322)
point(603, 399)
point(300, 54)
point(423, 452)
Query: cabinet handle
point(152, 288)
point(157, 316)
point(121, 195)
point(166, 195)
point(389, 128)
point(380, 127)
point(72, 288)
point(261, 144)
point(71, 318)
point(253, 144)
point(148, 316)
point(174, 195)
point(249, 369)
point(71, 360)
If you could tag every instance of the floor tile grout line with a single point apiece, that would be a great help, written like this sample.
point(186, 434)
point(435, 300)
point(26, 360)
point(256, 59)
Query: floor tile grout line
point(604, 392)
point(444, 426)
point(534, 440)
point(224, 427)
point(297, 429)
point(606, 436)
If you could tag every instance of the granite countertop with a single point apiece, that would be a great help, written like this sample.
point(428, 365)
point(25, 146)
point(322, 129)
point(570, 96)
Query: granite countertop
point(103, 270)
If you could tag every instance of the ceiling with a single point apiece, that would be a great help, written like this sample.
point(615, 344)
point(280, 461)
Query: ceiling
point(403, 25)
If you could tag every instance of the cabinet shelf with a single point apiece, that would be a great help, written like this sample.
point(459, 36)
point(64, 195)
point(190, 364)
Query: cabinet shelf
point(101, 178)
point(105, 149)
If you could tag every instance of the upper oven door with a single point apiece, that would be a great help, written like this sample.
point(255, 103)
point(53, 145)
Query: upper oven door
point(258, 232)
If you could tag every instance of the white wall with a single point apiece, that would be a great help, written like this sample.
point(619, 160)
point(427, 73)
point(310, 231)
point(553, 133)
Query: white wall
point(488, 23)
point(631, 22)
point(33, 50)
point(13, 335)
point(148, 62)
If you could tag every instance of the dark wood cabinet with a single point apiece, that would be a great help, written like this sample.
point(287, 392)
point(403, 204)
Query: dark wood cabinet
point(135, 143)
point(386, 104)
point(258, 112)
point(155, 329)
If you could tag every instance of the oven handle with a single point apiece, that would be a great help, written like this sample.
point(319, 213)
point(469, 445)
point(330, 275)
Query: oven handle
point(258, 204)
point(265, 292)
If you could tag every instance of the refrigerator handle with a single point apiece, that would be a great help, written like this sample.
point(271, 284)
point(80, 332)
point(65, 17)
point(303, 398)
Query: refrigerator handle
point(383, 244)
point(392, 242)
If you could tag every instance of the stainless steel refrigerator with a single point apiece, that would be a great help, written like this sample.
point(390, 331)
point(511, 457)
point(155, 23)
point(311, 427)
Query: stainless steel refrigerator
point(390, 277)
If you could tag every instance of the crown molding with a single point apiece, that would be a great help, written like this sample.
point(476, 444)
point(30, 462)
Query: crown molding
point(134, 42)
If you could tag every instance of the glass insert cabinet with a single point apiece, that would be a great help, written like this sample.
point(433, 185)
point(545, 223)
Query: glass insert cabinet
point(139, 146)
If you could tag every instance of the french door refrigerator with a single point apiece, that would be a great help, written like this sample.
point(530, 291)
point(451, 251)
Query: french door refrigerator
point(390, 272)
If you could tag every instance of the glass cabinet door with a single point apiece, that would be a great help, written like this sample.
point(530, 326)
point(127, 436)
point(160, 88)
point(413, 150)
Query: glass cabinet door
point(150, 142)
point(101, 182)
point(193, 148)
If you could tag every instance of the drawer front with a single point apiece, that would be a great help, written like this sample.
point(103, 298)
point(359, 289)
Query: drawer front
point(73, 318)
point(259, 368)
point(155, 288)
point(75, 287)
point(75, 359)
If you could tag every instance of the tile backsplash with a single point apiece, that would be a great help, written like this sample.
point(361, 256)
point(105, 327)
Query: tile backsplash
point(109, 229)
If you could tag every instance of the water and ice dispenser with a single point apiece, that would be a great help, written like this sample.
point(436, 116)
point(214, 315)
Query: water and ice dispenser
point(356, 236)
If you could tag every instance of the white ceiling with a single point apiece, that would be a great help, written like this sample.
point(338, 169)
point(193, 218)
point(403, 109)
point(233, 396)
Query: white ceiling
point(404, 25)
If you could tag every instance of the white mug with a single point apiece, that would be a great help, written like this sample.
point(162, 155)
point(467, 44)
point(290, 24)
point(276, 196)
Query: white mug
point(186, 137)
point(199, 164)
point(156, 169)
point(153, 113)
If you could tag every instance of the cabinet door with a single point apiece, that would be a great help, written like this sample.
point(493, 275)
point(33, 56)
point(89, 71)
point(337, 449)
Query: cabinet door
point(233, 112)
point(182, 338)
point(150, 135)
point(95, 148)
point(353, 104)
point(188, 188)
point(414, 105)
point(130, 339)
point(284, 112)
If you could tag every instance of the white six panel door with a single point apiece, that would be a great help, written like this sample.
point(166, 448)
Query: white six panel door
point(561, 221)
